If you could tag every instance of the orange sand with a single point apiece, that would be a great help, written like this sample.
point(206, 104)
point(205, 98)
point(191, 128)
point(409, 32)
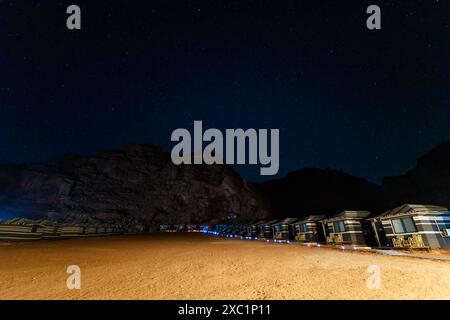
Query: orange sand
point(195, 266)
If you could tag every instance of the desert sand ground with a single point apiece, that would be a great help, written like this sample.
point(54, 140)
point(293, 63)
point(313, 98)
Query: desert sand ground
point(196, 266)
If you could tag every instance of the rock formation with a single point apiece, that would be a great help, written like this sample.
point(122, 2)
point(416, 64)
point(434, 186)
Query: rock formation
point(427, 183)
point(319, 191)
point(136, 186)
point(326, 191)
point(139, 187)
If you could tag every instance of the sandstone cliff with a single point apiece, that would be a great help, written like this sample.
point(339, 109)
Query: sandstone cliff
point(136, 186)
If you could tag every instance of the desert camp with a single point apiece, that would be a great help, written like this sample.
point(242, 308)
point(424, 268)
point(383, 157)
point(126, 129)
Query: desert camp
point(20, 229)
point(309, 229)
point(253, 229)
point(410, 226)
point(297, 244)
point(283, 230)
point(347, 227)
point(413, 226)
point(265, 230)
point(224, 150)
point(50, 230)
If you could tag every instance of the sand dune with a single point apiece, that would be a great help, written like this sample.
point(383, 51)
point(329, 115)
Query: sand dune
point(195, 266)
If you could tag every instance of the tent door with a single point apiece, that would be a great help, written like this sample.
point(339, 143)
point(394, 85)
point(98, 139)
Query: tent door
point(381, 235)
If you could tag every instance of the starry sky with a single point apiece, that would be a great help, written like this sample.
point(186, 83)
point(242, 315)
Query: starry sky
point(365, 102)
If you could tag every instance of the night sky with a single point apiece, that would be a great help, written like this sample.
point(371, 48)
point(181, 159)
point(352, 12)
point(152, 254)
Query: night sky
point(366, 102)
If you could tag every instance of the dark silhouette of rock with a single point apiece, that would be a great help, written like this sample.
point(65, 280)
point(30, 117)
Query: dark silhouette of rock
point(319, 191)
point(137, 187)
point(428, 183)
point(326, 191)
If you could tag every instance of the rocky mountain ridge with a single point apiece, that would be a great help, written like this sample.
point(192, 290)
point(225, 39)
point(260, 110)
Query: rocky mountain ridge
point(136, 186)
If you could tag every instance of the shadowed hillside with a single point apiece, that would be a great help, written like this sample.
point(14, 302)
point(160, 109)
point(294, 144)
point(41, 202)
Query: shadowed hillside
point(326, 191)
point(319, 191)
point(138, 186)
point(427, 183)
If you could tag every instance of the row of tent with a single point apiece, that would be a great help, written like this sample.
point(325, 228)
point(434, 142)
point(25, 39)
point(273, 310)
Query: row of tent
point(408, 226)
point(181, 227)
point(20, 229)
